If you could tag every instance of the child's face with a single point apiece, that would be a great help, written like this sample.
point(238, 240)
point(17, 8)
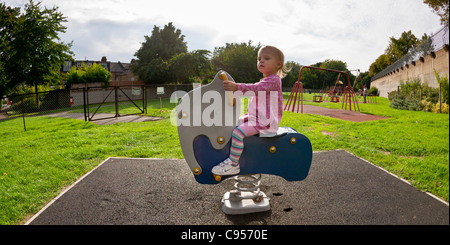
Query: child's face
point(268, 62)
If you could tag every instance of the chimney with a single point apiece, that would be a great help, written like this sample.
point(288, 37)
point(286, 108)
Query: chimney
point(104, 59)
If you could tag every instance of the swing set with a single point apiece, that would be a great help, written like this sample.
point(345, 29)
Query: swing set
point(349, 98)
point(369, 98)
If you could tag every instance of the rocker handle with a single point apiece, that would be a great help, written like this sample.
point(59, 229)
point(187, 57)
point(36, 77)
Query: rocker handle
point(231, 101)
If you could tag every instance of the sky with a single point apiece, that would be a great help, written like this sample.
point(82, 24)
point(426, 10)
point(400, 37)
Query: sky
point(307, 31)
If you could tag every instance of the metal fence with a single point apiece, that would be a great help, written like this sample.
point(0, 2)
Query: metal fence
point(436, 42)
point(87, 100)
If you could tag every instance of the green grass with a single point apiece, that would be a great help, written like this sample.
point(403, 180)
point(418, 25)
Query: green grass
point(36, 165)
point(154, 108)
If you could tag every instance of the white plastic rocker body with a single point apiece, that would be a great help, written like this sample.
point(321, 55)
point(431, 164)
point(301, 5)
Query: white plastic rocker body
point(206, 117)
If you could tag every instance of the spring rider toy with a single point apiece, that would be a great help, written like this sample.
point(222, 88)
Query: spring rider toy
point(206, 117)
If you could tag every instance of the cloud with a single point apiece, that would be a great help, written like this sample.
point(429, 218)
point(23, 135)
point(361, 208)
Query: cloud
point(115, 40)
point(308, 31)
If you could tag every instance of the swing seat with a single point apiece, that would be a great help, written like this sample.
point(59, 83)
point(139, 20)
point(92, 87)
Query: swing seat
point(317, 98)
point(335, 98)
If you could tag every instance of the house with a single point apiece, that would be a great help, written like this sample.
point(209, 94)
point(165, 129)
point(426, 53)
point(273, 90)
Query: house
point(121, 73)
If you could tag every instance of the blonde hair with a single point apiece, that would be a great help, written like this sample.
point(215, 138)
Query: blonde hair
point(284, 70)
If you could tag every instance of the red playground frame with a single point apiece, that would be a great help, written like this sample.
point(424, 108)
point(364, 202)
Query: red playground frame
point(349, 93)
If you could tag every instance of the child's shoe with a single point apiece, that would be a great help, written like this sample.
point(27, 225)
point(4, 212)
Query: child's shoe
point(226, 168)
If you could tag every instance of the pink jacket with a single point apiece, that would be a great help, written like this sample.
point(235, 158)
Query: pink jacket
point(266, 104)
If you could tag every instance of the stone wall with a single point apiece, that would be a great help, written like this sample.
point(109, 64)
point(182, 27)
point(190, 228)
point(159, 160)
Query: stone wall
point(422, 68)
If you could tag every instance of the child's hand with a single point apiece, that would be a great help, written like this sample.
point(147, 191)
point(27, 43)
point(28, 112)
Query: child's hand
point(229, 85)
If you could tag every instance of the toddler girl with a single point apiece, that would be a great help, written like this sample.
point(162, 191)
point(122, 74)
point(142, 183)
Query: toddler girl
point(264, 110)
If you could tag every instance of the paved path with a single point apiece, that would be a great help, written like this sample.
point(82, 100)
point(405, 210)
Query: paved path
point(108, 120)
point(339, 113)
point(341, 189)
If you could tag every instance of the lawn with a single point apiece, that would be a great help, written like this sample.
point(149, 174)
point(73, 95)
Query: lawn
point(36, 165)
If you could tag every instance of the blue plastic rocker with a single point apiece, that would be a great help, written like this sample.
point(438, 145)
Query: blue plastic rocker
point(206, 117)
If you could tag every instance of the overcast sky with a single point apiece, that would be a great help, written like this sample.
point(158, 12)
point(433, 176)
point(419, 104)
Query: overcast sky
point(307, 31)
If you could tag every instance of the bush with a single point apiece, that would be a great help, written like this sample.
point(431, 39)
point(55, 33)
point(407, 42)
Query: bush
point(96, 73)
point(427, 105)
point(74, 76)
point(443, 81)
point(88, 74)
point(405, 103)
point(373, 91)
point(408, 98)
point(444, 108)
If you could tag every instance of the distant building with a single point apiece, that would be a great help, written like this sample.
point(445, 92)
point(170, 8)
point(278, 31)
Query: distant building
point(121, 73)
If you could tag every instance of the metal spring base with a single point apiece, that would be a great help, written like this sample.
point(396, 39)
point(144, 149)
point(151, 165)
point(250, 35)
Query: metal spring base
point(246, 197)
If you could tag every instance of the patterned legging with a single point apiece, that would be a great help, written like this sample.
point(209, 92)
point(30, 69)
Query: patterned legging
point(237, 141)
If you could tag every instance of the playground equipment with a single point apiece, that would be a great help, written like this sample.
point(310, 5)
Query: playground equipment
point(369, 98)
point(205, 141)
point(296, 96)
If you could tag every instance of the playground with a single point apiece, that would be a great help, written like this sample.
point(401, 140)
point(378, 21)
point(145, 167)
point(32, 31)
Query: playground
point(346, 191)
point(144, 171)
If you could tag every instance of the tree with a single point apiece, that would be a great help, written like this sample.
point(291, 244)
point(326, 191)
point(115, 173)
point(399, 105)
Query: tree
point(292, 77)
point(8, 24)
point(406, 44)
point(330, 78)
point(152, 63)
point(184, 67)
point(380, 64)
point(397, 48)
point(313, 79)
point(88, 74)
point(34, 54)
point(238, 59)
point(440, 7)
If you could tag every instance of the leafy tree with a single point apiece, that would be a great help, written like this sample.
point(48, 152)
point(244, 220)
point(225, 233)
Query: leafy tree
point(8, 24)
point(185, 66)
point(152, 63)
point(440, 7)
point(397, 48)
point(34, 53)
point(96, 73)
point(238, 59)
point(365, 81)
point(380, 64)
point(292, 77)
point(313, 79)
point(88, 74)
point(320, 80)
point(424, 47)
point(74, 76)
point(406, 44)
point(331, 77)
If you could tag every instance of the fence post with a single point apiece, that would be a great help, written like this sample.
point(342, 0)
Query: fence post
point(421, 93)
point(440, 85)
point(116, 95)
point(84, 104)
point(144, 100)
point(23, 116)
point(87, 102)
point(37, 98)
